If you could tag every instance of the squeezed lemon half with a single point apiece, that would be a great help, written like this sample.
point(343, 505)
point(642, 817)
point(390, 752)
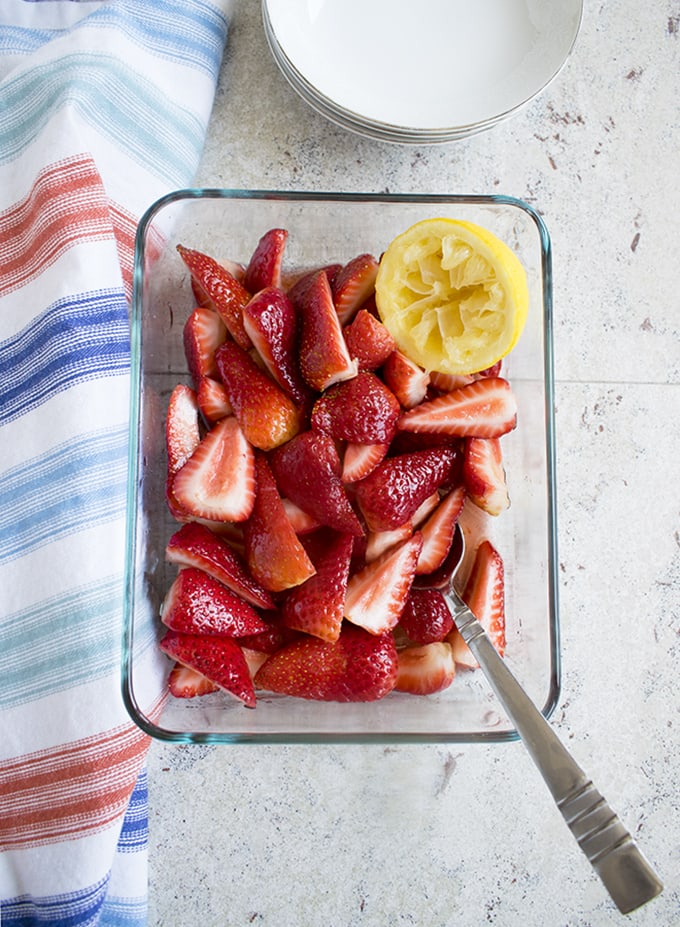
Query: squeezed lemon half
point(453, 295)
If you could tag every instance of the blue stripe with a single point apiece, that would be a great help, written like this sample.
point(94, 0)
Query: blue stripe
point(76, 485)
point(76, 909)
point(135, 830)
point(74, 340)
point(17, 40)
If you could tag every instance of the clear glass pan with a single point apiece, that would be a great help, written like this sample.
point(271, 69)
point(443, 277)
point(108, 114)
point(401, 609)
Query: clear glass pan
point(325, 228)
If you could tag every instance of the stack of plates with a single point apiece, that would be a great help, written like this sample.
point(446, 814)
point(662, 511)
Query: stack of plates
point(420, 71)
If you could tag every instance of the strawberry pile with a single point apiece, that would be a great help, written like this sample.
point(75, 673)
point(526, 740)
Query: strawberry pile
point(317, 475)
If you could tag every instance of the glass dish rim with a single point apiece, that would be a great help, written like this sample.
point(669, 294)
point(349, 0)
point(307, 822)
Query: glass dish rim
point(326, 737)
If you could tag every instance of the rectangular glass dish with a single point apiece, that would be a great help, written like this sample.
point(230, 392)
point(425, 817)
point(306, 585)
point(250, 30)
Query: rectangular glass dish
point(327, 228)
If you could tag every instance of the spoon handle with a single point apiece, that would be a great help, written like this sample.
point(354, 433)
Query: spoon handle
point(609, 847)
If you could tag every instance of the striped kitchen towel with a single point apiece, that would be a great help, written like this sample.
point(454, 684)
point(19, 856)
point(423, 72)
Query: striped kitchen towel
point(104, 107)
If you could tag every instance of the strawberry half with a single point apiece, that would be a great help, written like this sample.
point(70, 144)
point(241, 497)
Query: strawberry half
point(358, 667)
point(426, 616)
point(484, 474)
point(425, 669)
point(361, 410)
point(196, 603)
point(182, 435)
point(213, 400)
point(353, 284)
point(195, 545)
point(323, 355)
point(203, 333)
point(297, 291)
point(484, 594)
point(184, 682)
point(368, 341)
point(359, 460)
point(220, 659)
point(406, 379)
point(218, 482)
point(266, 414)
point(438, 531)
point(226, 294)
point(264, 267)
point(485, 408)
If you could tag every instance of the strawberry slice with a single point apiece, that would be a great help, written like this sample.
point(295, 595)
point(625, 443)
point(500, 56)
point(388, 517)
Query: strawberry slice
point(426, 616)
point(406, 379)
point(368, 341)
point(266, 414)
point(298, 289)
point(271, 322)
point(425, 669)
point(184, 682)
point(195, 545)
point(484, 474)
point(438, 531)
point(323, 354)
point(358, 667)
point(377, 542)
point(203, 333)
point(377, 594)
point(361, 410)
point(196, 603)
point(360, 459)
point(485, 408)
point(213, 400)
point(264, 267)
point(270, 640)
point(274, 555)
point(353, 285)
point(182, 435)
point(226, 294)
point(317, 606)
point(302, 522)
point(220, 659)
point(391, 494)
point(484, 594)
point(217, 482)
point(307, 470)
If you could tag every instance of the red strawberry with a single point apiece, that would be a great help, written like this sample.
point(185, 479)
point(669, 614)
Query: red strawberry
point(376, 595)
point(203, 333)
point(275, 556)
point(317, 606)
point(438, 531)
point(217, 482)
point(297, 291)
point(184, 682)
point(323, 355)
point(272, 639)
point(353, 285)
point(226, 294)
point(390, 495)
point(484, 594)
point(485, 408)
point(271, 322)
point(425, 669)
point(182, 434)
point(266, 414)
point(302, 522)
point(361, 410)
point(359, 459)
point(358, 667)
point(196, 603)
point(213, 400)
point(377, 542)
point(195, 545)
point(445, 382)
point(264, 267)
point(426, 616)
point(307, 470)
point(220, 659)
point(406, 379)
point(368, 340)
point(484, 474)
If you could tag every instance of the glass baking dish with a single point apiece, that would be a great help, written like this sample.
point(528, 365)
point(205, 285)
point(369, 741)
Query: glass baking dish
point(325, 228)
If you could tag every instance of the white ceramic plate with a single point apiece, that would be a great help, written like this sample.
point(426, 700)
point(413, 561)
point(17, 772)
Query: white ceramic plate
point(431, 66)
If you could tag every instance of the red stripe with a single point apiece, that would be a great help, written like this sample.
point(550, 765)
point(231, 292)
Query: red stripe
point(124, 228)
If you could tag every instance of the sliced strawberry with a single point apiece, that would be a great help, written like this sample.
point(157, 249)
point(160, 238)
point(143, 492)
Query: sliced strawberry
point(271, 322)
point(196, 603)
point(317, 606)
point(376, 595)
point(275, 556)
point(203, 333)
point(323, 355)
point(445, 382)
point(297, 291)
point(359, 459)
point(226, 294)
point(220, 659)
point(406, 379)
point(368, 341)
point(218, 482)
point(390, 495)
point(426, 616)
point(195, 545)
point(438, 531)
point(358, 667)
point(484, 593)
point(307, 470)
point(353, 285)
point(302, 522)
point(425, 669)
point(266, 414)
point(361, 410)
point(264, 267)
point(213, 400)
point(485, 408)
point(462, 655)
point(182, 435)
point(377, 542)
point(184, 682)
point(270, 640)
point(484, 474)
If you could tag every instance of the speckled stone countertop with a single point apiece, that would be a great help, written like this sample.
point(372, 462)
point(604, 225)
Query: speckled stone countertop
point(441, 836)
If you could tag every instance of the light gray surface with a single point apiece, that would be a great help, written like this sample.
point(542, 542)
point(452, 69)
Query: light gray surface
point(434, 836)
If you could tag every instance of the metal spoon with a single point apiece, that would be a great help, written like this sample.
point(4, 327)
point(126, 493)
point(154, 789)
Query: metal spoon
point(626, 874)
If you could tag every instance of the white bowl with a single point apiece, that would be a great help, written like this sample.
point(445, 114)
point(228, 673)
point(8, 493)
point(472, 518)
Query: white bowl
point(435, 70)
